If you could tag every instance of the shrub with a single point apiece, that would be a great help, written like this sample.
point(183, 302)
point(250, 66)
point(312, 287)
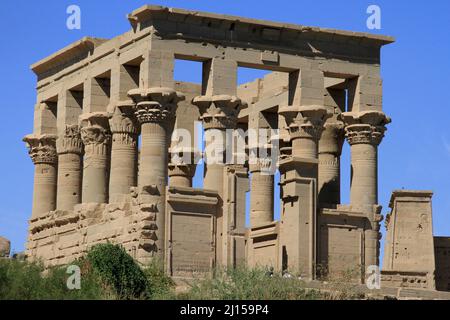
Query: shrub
point(117, 270)
point(30, 281)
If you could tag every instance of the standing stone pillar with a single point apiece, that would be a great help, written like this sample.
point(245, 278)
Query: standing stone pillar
point(364, 132)
point(218, 113)
point(261, 191)
point(330, 149)
point(96, 138)
point(42, 150)
point(299, 175)
point(124, 129)
point(70, 152)
point(155, 111)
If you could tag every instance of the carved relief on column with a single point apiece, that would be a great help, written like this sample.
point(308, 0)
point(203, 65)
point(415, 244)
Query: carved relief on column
point(123, 124)
point(125, 129)
point(305, 124)
point(70, 141)
point(96, 137)
point(70, 150)
point(42, 150)
point(95, 133)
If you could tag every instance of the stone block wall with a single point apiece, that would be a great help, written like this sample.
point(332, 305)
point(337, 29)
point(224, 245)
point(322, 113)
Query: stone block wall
point(442, 255)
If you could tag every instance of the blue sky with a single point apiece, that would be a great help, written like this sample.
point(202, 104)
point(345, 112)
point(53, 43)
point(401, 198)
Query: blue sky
point(414, 155)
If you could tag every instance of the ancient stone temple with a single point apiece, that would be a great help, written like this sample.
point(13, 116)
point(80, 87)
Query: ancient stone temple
point(106, 151)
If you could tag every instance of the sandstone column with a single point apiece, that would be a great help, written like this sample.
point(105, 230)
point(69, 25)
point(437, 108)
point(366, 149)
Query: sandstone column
point(218, 113)
point(299, 175)
point(261, 192)
point(181, 172)
point(42, 150)
point(155, 110)
point(364, 132)
point(96, 138)
point(124, 129)
point(330, 149)
point(70, 151)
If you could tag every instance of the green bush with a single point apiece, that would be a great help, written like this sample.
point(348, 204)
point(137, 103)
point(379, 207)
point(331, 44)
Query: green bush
point(28, 281)
point(117, 270)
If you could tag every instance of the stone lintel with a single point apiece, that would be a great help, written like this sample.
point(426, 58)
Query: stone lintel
point(192, 195)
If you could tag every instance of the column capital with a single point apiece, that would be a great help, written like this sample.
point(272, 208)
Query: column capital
point(332, 137)
point(305, 121)
point(121, 117)
point(155, 105)
point(70, 141)
point(364, 134)
point(94, 128)
point(42, 148)
point(219, 111)
point(366, 127)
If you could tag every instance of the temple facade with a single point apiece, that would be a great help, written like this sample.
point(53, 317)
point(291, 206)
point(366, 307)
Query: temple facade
point(107, 156)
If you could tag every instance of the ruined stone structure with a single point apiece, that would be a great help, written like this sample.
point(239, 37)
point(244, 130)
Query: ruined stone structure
point(5, 247)
point(104, 150)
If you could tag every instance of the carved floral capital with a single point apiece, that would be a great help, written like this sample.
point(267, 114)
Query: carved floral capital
point(219, 111)
point(155, 105)
point(70, 141)
point(42, 148)
point(305, 121)
point(94, 129)
point(366, 127)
